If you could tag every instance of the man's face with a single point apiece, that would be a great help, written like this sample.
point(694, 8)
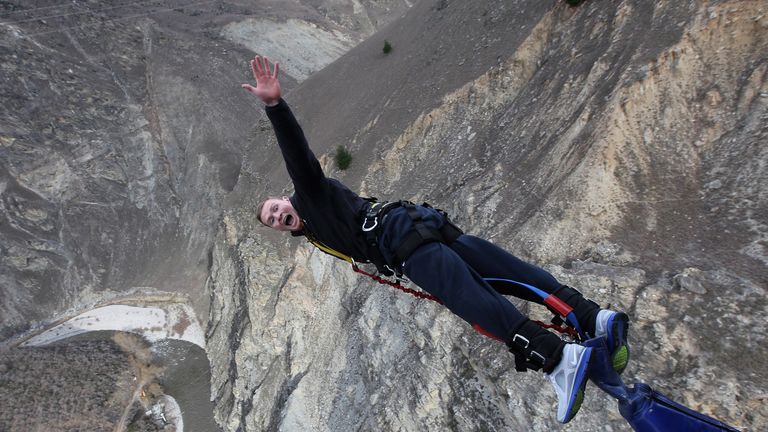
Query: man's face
point(279, 214)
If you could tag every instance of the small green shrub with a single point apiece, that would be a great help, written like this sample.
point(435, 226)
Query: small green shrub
point(387, 47)
point(342, 157)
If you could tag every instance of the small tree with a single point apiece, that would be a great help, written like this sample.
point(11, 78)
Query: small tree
point(342, 157)
point(387, 47)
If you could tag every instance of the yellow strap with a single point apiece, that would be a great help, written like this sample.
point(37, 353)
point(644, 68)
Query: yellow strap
point(329, 251)
point(318, 244)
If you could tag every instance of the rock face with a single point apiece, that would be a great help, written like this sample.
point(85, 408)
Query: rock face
point(118, 150)
point(621, 145)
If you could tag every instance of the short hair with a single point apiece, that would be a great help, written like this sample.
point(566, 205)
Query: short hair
point(259, 209)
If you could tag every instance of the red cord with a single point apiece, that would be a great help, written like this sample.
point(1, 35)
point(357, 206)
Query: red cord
point(420, 294)
point(397, 285)
point(561, 329)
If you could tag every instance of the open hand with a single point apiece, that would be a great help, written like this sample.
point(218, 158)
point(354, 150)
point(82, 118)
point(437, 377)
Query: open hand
point(267, 85)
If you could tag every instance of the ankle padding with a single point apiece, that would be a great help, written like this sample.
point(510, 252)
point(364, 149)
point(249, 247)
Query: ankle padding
point(585, 310)
point(535, 348)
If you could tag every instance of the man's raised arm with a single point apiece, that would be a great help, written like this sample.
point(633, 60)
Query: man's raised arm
point(302, 165)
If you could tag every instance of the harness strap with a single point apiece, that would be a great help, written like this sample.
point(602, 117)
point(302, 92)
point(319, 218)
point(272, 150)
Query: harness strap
point(447, 234)
point(535, 348)
point(327, 249)
point(525, 358)
point(371, 228)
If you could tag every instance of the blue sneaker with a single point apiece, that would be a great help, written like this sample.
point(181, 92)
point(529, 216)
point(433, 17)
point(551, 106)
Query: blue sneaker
point(570, 379)
point(614, 326)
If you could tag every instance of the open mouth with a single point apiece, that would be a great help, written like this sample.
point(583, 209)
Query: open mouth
point(288, 220)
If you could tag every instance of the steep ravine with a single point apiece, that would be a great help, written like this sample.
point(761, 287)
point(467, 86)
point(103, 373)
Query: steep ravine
point(620, 144)
point(122, 132)
point(632, 167)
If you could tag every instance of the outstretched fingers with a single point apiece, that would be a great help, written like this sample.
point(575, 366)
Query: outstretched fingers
point(258, 69)
point(257, 66)
point(267, 86)
point(261, 69)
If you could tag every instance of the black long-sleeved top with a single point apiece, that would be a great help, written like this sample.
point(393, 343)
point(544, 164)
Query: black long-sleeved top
point(330, 211)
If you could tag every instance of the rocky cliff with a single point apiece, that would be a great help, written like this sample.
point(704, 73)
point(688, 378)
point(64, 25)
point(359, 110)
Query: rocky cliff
point(621, 145)
point(118, 148)
point(122, 131)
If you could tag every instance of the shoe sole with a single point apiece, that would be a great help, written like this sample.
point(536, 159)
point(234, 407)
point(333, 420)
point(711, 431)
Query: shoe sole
point(581, 378)
point(618, 328)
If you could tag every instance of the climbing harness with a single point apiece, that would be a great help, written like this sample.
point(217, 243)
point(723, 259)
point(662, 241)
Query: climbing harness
point(563, 322)
point(421, 234)
point(371, 228)
point(562, 310)
point(356, 268)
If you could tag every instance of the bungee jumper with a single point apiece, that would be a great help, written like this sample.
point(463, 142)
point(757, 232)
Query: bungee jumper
point(468, 275)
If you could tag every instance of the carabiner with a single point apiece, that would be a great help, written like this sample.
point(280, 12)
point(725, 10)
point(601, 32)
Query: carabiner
point(371, 228)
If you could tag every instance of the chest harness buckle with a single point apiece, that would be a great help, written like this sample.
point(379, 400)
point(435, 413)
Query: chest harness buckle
point(421, 234)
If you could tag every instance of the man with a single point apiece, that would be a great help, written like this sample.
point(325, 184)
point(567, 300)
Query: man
point(467, 274)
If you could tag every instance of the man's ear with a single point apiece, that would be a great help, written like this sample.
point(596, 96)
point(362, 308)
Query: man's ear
point(285, 198)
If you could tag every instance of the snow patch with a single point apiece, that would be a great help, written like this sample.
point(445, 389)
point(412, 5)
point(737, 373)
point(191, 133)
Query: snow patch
point(175, 321)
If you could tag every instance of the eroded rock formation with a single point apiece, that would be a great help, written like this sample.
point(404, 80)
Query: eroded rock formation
point(621, 145)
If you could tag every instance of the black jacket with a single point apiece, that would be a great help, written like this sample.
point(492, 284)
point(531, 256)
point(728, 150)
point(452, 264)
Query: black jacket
point(331, 212)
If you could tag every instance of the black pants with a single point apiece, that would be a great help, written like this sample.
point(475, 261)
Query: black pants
point(456, 274)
